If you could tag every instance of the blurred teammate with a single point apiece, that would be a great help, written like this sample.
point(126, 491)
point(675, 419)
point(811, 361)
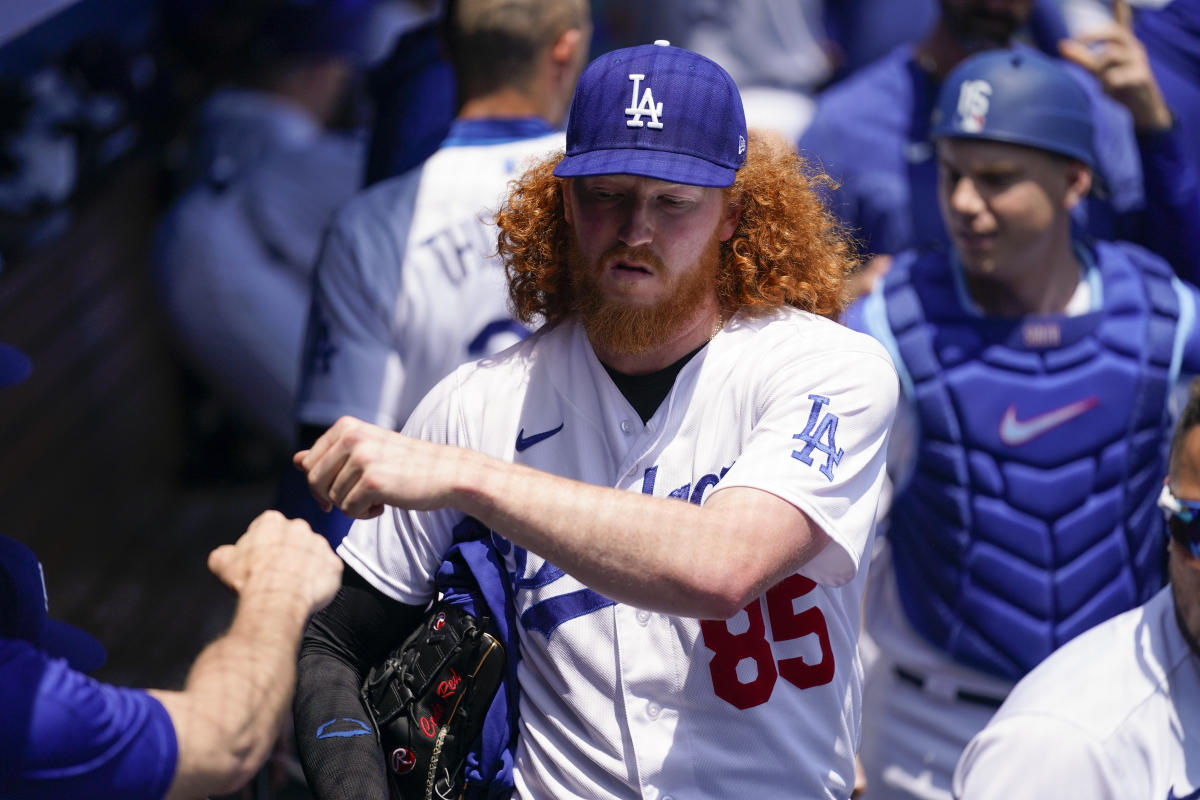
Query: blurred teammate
point(871, 131)
point(688, 451)
point(1036, 369)
point(1115, 713)
point(234, 254)
point(407, 285)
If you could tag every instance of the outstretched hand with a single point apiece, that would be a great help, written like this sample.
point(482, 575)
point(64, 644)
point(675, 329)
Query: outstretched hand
point(278, 553)
point(360, 468)
point(1119, 61)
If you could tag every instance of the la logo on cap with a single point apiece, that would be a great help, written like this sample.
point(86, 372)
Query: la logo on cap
point(973, 104)
point(644, 106)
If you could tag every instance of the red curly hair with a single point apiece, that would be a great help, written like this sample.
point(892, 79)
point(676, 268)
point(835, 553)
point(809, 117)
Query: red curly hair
point(787, 249)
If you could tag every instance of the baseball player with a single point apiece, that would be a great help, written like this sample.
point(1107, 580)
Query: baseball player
point(871, 131)
point(679, 471)
point(1036, 370)
point(234, 254)
point(234, 264)
point(1115, 713)
point(407, 285)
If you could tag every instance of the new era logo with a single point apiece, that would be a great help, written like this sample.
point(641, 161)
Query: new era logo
point(645, 106)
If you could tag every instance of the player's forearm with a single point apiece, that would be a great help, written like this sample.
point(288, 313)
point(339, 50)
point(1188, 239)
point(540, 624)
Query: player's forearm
point(336, 743)
point(657, 553)
point(333, 732)
point(227, 717)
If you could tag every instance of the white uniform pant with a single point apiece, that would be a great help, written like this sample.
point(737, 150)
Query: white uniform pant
point(913, 735)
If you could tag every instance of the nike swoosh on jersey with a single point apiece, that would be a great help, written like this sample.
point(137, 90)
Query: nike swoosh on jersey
point(1016, 432)
point(1172, 796)
point(524, 443)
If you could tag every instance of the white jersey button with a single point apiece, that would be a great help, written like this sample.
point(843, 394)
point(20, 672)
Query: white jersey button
point(626, 426)
point(653, 710)
point(643, 617)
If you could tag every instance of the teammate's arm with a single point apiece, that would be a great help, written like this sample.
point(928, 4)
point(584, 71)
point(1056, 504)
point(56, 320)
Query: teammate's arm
point(228, 714)
point(624, 545)
point(1169, 223)
point(1119, 61)
point(334, 737)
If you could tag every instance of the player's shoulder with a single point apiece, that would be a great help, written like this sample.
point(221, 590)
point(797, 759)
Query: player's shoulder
point(860, 101)
point(381, 202)
point(886, 73)
point(802, 331)
point(1145, 259)
point(369, 231)
point(487, 153)
point(1128, 651)
point(1152, 273)
point(201, 234)
point(331, 156)
point(792, 337)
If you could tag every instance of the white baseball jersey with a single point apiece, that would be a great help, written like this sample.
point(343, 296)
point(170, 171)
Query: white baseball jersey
point(1111, 715)
point(408, 284)
point(619, 702)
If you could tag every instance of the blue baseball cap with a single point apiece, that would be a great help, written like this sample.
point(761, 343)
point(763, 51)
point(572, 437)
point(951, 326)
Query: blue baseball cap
point(657, 111)
point(24, 611)
point(14, 365)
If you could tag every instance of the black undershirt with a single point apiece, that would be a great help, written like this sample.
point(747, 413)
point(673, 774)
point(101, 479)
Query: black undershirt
point(646, 392)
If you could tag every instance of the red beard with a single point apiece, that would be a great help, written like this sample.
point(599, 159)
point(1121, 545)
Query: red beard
point(628, 329)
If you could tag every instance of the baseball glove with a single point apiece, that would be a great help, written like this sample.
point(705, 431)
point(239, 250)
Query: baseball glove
point(428, 700)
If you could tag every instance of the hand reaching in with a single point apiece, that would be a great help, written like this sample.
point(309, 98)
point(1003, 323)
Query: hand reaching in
point(1119, 61)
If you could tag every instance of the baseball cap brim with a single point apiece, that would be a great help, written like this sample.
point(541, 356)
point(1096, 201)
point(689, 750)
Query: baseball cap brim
point(81, 650)
point(665, 166)
point(23, 612)
point(15, 366)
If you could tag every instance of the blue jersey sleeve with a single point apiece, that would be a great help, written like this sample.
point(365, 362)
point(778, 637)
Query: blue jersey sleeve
point(67, 735)
point(295, 501)
point(1171, 224)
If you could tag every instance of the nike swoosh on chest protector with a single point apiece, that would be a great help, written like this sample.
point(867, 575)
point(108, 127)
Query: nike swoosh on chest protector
point(1015, 432)
point(524, 443)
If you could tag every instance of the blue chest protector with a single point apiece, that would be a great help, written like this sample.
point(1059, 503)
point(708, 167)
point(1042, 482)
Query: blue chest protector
point(1030, 515)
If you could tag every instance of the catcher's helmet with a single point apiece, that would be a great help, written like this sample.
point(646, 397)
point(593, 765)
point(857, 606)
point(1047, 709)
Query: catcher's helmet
point(1016, 96)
